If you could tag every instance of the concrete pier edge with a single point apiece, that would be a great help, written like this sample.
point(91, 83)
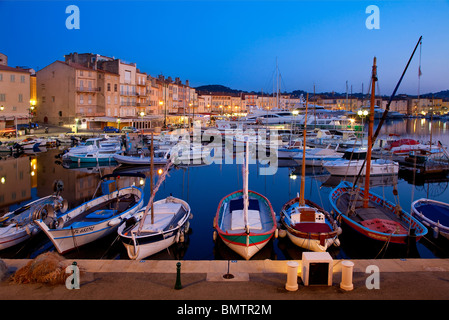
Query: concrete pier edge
point(239, 266)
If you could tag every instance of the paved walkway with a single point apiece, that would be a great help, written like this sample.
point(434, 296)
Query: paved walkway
point(415, 279)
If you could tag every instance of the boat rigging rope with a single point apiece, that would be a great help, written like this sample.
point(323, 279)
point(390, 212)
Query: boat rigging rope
point(385, 246)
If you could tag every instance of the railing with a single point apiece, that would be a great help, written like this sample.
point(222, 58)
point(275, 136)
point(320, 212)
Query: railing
point(128, 104)
point(89, 114)
point(84, 89)
point(128, 93)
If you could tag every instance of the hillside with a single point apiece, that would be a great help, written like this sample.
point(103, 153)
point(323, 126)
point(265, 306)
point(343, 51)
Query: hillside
point(216, 88)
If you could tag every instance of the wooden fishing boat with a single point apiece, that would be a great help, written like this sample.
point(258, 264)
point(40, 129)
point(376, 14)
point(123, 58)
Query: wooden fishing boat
point(159, 225)
point(245, 220)
point(367, 212)
point(166, 224)
point(18, 225)
point(96, 218)
point(433, 214)
point(380, 220)
point(308, 225)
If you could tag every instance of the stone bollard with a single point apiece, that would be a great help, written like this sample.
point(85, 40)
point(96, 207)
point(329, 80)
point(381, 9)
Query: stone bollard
point(178, 276)
point(346, 275)
point(292, 276)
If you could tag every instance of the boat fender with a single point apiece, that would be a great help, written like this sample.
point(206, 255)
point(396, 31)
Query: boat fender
point(339, 231)
point(59, 223)
point(191, 216)
point(337, 242)
point(64, 206)
point(282, 233)
point(436, 231)
point(34, 231)
point(114, 222)
point(276, 233)
point(177, 237)
point(215, 235)
point(187, 226)
point(181, 236)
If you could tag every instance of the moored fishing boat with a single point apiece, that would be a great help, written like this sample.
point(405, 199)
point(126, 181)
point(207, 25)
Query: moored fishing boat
point(308, 225)
point(159, 225)
point(94, 150)
point(433, 214)
point(18, 225)
point(368, 213)
point(96, 218)
point(165, 224)
point(380, 220)
point(245, 220)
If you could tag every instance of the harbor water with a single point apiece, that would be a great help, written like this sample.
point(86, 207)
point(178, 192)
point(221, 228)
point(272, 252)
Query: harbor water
point(32, 175)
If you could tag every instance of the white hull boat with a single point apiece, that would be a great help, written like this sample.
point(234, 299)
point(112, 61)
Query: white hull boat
point(160, 158)
point(93, 219)
point(18, 225)
point(318, 156)
point(166, 225)
point(352, 168)
point(95, 150)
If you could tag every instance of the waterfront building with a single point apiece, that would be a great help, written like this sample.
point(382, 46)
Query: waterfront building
point(66, 92)
point(154, 96)
point(15, 93)
point(250, 99)
point(425, 106)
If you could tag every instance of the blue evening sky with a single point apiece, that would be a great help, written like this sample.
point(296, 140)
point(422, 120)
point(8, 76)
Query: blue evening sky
point(237, 43)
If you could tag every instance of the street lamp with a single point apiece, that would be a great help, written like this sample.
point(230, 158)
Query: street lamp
point(188, 118)
point(32, 106)
point(362, 114)
point(161, 103)
point(142, 114)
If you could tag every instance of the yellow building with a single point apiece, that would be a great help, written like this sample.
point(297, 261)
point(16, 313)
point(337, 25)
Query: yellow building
point(14, 96)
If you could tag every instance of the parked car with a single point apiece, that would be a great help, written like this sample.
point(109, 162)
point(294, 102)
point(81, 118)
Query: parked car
point(110, 129)
point(8, 132)
point(130, 129)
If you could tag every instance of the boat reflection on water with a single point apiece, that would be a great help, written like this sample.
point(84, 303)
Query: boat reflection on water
point(375, 181)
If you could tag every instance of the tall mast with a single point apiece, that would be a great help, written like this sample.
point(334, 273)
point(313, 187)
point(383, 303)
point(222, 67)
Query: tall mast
point(151, 176)
point(277, 84)
point(370, 135)
point(303, 165)
point(245, 188)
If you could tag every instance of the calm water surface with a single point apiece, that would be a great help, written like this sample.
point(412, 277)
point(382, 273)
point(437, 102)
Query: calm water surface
point(32, 176)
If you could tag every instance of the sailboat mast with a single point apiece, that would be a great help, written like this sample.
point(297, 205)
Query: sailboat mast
point(151, 176)
point(245, 188)
point(370, 135)
point(303, 165)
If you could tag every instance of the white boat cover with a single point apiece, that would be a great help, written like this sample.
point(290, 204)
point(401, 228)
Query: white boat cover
point(238, 221)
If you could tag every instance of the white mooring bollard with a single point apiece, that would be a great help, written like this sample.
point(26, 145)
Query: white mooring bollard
point(346, 275)
point(292, 276)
